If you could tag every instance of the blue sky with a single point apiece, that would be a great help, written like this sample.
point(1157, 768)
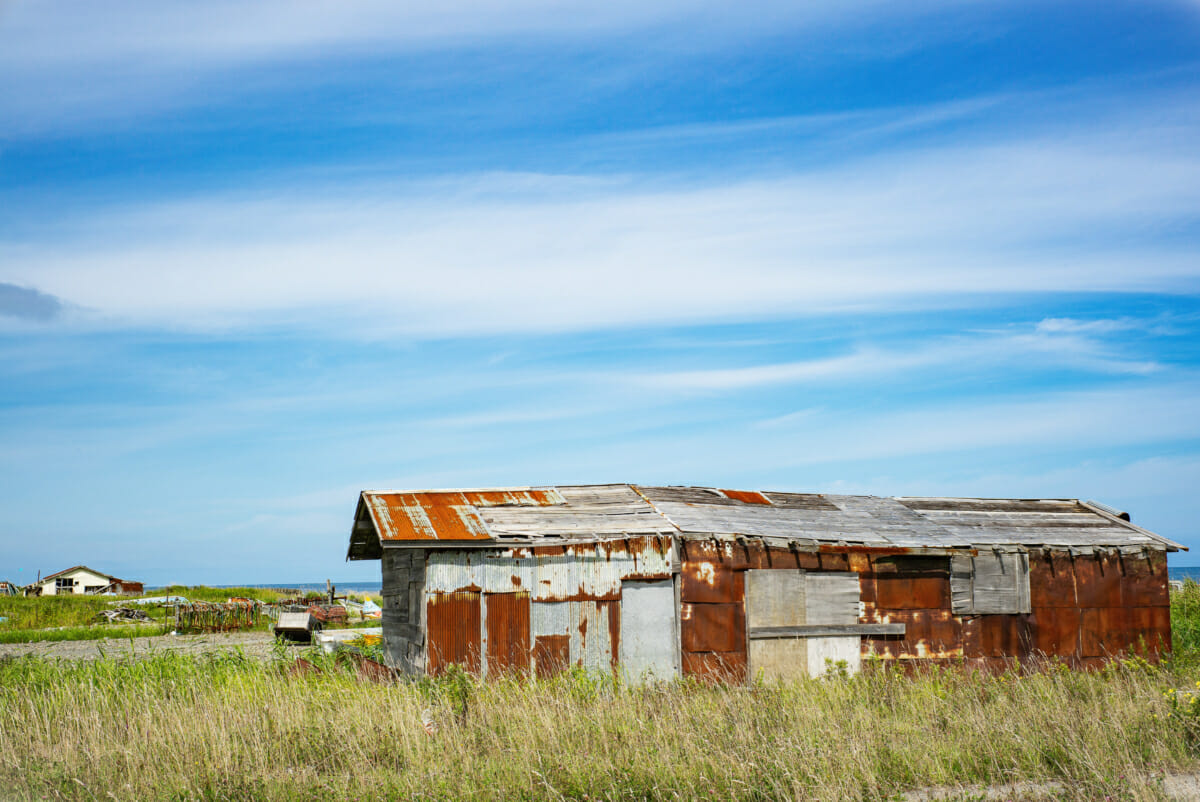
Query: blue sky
point(254, 259)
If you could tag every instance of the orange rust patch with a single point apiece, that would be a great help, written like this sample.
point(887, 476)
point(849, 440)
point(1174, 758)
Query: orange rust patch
point(453, 624)
point(551, 654)
point(507, 633)
point(448, 515)
point(747, 496)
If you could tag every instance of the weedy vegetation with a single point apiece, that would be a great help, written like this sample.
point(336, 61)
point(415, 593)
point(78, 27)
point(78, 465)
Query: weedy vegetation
point(227, 727)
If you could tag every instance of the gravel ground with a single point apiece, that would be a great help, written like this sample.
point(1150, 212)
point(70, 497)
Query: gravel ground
point(255, 644)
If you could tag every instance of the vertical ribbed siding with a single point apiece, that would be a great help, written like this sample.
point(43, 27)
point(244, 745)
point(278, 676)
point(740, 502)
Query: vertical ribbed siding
point(453, 625)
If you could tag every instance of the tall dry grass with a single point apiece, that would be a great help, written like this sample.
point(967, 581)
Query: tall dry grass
point(192, 728)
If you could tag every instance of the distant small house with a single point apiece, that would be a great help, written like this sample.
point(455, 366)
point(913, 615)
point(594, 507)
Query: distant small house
point(8, 589)
point(83, 580)
point(734, 585)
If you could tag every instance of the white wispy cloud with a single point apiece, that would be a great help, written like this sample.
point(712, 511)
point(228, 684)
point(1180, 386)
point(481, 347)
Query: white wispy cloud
point(544, 253)
point(67, 63)
point(1028, 350)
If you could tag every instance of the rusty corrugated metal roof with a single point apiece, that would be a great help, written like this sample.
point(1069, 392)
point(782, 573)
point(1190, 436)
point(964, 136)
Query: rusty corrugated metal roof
point(600, 512)
point(447, 515)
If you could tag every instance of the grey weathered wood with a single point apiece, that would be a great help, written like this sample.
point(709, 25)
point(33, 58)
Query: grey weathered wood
point(775, 598)
point(990, 583)
point(831, 598)
point(825, 630)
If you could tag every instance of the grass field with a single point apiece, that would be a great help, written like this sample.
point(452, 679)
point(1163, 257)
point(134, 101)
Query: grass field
point(182, 727)
point(72, 617)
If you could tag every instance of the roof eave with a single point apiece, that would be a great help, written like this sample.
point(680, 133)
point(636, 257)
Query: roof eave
point(1170, 545)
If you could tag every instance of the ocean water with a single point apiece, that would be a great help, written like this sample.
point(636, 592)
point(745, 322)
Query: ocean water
point(1191, 572)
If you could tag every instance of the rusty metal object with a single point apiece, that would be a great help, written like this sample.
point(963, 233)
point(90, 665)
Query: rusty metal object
point(213, 617)
point(713, 627)
point(747, 496)
point(453, 631)
point(577, 572)
point(912, 592)
point(507, 623)
point(1055, 631)
point(1098, 579)
point(711, 582)
point(551, 654)
point(716, 667)
point(928, 634)
point(448, 515)
point(1111, 631)
point(1051, 579)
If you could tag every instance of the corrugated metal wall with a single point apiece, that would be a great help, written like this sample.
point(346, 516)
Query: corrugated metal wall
point(1086, 607)
point(539, 609)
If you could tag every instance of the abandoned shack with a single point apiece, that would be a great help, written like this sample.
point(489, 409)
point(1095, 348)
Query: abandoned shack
point(729, 585)
point(80, 579)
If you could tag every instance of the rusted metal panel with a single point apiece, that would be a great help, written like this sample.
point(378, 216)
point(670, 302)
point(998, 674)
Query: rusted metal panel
point(713, 627)
point(446, 515)
point(595, 633)
point(928, 634)
point(1110, 631)
point(1098, 580)
point(722, 667)
point(1055, 631)
point(1051, 579)
point(594, 512)
point(746, 496)
point(711, 582)
point(508, 627)
point(912, 592)
point(551, 654)
point(1145, 582)
point(997, 636)
point(577, 571)
point(453, 631)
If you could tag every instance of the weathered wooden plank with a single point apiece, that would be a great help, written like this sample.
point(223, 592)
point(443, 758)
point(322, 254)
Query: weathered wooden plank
point(831, 598)
point(807, 501)
point(990, 583)
point(825, 630)
point(996, 504)
point(775, 598)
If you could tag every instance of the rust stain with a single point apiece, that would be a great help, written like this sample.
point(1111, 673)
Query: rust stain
point(713, 627)
point(614, 633)
point(446, 515)
point(898, 592)
point(747, 496)
point(711, 582)
point(453, 631)
point(715, 667)
point(507, 633)
point(551, 654)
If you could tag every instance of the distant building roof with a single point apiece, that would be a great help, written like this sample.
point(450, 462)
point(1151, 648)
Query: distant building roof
point(542, 515)
point(109, 577)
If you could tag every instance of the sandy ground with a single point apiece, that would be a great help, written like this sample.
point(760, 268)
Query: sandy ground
point(254, 644)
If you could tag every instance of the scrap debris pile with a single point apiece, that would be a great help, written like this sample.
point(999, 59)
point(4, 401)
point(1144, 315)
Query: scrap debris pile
point(122, 615)
point(193, 617)
point(242, 613)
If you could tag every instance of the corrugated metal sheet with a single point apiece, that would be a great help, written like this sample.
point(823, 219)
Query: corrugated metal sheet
point(453, 631)
point(532, 516)
point(507, 632)
point(588, 629)
point(447, 515)
point(578, 571)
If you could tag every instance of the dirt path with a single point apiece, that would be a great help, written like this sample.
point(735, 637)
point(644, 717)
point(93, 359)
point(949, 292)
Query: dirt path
point(255, 644)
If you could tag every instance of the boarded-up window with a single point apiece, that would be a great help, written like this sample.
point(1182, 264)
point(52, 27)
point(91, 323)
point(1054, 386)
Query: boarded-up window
point(992, 583)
